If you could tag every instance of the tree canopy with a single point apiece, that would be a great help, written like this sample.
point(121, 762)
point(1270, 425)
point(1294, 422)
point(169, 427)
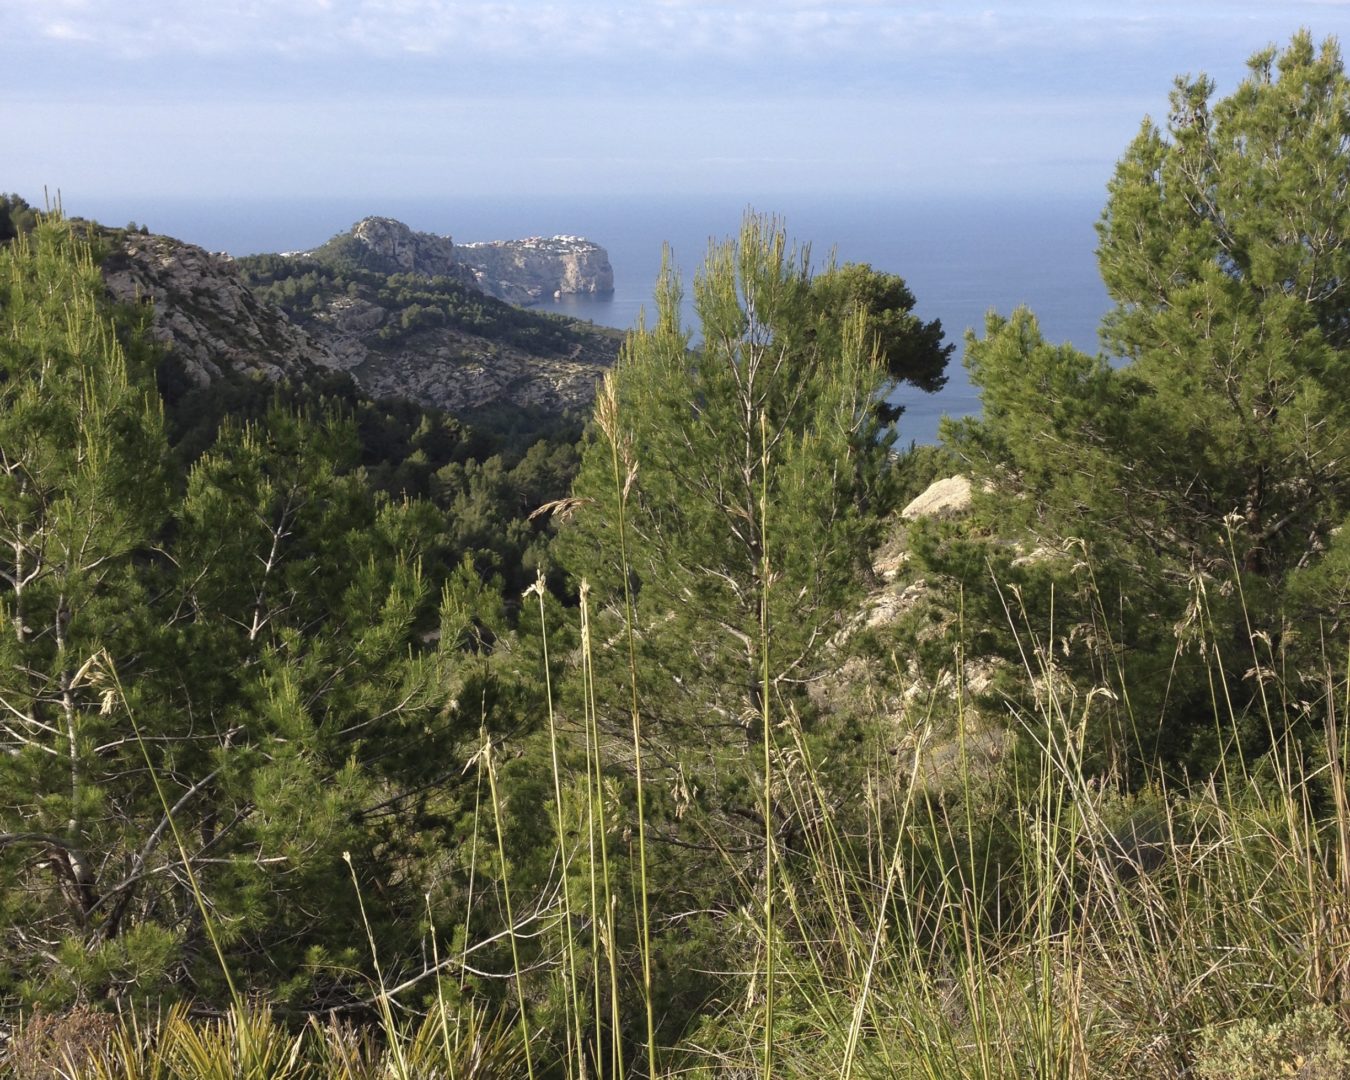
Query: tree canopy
point(1215, 449)
point(749, 465)
point(221, 681)
point(910, 349)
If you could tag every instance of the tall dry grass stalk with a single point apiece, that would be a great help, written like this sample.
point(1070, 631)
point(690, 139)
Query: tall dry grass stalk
point(625, 469)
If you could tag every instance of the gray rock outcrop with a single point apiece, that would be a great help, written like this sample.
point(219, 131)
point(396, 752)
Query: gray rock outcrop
point(393, 248)
point(455, 371)
point(204, 315)
point(943, 498)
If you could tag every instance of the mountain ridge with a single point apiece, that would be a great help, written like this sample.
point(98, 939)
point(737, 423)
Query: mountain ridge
point(393, 308)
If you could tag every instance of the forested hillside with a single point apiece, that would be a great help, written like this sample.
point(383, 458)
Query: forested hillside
point(327, 756)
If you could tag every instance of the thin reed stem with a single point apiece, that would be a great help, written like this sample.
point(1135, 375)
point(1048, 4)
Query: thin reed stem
point(766, 726)
point(602, 921)
point(572, 1000)
point(623, 481)
point(491, 768)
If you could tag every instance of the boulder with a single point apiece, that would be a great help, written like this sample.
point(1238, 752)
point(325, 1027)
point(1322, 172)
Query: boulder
point(943, 498)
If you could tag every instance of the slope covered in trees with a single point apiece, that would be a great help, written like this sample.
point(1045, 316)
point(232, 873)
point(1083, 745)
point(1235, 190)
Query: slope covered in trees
point(1067, 800)
point(214, 683)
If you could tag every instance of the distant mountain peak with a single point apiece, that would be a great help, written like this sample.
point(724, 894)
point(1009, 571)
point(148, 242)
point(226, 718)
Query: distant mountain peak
point(412, 252)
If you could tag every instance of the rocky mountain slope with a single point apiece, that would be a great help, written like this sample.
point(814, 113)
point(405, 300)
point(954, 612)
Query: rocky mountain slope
point(452, 368)
point(210, 321)
point(392, 307)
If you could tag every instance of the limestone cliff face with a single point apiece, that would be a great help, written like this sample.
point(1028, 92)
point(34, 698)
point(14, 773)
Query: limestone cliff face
point(526, 271)
point(205, 316)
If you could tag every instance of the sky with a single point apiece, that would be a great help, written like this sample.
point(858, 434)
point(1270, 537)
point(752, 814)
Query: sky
point(250, 98)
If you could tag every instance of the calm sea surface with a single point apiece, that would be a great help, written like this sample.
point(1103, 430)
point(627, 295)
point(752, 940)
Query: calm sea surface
point(961, 258)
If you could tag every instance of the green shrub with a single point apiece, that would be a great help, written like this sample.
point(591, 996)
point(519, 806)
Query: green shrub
point(1309, 1044)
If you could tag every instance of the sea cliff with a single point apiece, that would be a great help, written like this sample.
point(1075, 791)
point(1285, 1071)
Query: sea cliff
point(526, 271)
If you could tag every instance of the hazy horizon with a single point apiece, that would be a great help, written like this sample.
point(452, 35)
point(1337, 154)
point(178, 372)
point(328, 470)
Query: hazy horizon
point(429, 98)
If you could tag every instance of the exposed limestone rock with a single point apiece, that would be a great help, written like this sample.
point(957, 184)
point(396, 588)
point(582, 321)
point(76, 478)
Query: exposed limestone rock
point(954, 761)
point(944, 498)
point(939, 716)
point(891, 557)
point(885, 607)
point(527, 271)
point(203, 313)
point(351, 315)
point(393, 248)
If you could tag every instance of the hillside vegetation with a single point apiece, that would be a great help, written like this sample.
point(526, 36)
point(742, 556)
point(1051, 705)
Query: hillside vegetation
point(326, 760)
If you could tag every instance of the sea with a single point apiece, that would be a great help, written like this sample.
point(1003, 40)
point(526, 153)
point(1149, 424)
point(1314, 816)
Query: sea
point(962, 256)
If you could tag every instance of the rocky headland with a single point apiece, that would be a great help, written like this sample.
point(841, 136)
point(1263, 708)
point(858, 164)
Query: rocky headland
point(521, 272)
point(403, 312)
point(540, 267)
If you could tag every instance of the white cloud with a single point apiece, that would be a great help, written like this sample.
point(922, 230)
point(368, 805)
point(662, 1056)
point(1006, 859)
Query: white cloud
point(750, 28)
point(65, 31)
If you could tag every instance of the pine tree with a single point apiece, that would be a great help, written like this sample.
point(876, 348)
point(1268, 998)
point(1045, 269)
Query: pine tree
point(725, 509)
point(1213, 460)
point(83, 502)
point(1227, 250)
point(298, 640)
point(748, 465)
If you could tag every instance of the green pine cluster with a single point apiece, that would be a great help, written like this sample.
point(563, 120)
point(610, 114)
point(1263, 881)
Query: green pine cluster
point(1201, 483)
point(214, 680)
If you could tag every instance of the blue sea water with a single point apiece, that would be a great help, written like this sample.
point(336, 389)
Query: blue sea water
point(961, 257)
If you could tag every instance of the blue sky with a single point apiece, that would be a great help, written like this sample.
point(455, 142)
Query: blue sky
point(210, 98)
